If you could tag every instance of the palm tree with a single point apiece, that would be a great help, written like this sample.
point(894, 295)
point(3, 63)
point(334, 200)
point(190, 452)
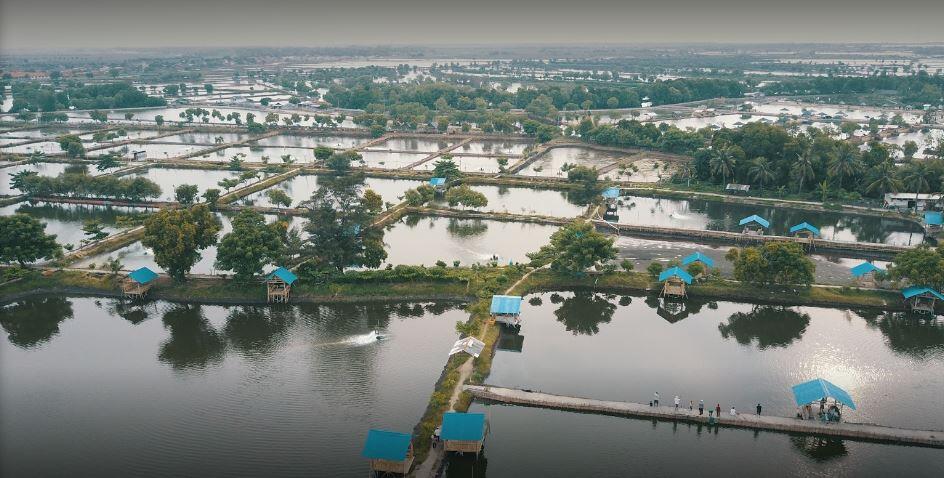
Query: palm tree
point(915, 178)
point(686, 171)
point(845, 164)
point(884, 179)
point(722, 164)
point(802, 169)
point(761, 172)
point(823, 189)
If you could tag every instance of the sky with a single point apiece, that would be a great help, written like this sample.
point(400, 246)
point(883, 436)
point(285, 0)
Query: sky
point(67, 24)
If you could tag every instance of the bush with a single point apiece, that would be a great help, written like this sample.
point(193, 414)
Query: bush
point(654, 269)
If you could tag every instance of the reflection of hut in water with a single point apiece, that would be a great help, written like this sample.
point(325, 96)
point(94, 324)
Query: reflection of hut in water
point(921, 298)
point(864, 274)
point(388, 452)
point(279, 284)
point(463, 432)
point(506, 309)
point(754, 225)
point(805, 233)
point(698, 258)
point(674, 281)
point(138, 283)
point(820, 449)
point(510, 340)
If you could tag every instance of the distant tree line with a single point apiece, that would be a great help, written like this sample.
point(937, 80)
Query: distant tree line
point(34, 96)
point(84, 185)
point(916, 89)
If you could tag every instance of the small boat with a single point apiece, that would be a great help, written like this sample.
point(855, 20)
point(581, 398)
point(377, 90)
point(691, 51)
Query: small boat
point(380, 336)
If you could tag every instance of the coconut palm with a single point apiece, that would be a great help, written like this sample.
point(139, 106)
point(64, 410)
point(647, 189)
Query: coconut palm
point(686, 171)
point(761, 172)
point(884, 180)
point(723, 163)
point(845, 164)
point(823, 189)
point(802, 169)
point(915, 178)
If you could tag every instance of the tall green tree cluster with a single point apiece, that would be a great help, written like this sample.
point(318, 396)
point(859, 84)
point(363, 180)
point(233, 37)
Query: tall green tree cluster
point(83, 185)
point(251, 245)
point(178, 235)
point(783, 263)
point(575, 248)
point(339, 226)
point(23, 240)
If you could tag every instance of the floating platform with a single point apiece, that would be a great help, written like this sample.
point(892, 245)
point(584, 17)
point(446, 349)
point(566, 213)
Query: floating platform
point(854, 431)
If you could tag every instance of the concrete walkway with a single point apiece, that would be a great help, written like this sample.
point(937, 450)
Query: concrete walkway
point(855, 431)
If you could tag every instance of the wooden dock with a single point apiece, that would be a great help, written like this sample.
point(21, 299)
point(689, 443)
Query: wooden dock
point(853, 431)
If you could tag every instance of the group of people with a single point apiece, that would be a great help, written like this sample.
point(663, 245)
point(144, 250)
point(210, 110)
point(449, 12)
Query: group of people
point(826, 414)
point(701, 406)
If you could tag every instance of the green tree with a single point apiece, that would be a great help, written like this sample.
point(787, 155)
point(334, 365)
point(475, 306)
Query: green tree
point(340, 162)
point(446, 168)
point(466, 197)
point(339, 227)
point(209, 88)
point(909, 149)
point(251, 245)
point(723, 164)
point(773, 263)
point(94, 231)
point(922, 266)
point(159, 119)
point(802, 170)
point(23, 240)
point(654, 269)
point(99, 116)
point(129, 115)
point(761, 171)
point(211, 196)
point(279, 197)
point(575, 248)
point(322, 153)
point(846, 164)
point(72, 145)
point(107, 161)
point(420, 195)
point(178, 235)
point(186, 194)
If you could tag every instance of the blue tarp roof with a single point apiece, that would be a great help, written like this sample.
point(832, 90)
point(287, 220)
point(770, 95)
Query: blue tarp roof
point(386, 445)
point(675, 271)
point(864, 268)
point(143, 275)
point(932, 218)
point(914, 290)
point(815, 390)
point(284, 274)
point(506, 304)
point(463, 426)
point(698, 257)
point(437, 181)
point(611, 193)
point(805, 226)
point(755, 218)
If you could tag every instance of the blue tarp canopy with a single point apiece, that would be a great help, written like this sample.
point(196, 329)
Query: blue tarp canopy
point(805, 226)
point(463, 426)
point(437, 181)
point(506, 304)
point(932, 218)
point(284, 274)
point(611, 193)
point(698, 257)
point(756, 219)
point(864, 268)
point(386, 445)
point(914, 290)
point(677, 272)
point(143, 275)
point(816, 390)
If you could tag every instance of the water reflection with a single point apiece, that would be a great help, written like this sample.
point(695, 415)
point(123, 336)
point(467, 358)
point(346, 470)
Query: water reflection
point(466, 228)
point(193, 342)
point(820, 449)
point(133, 312)
point(673, 310)
point(257, 330)
point(769, 326)
point(583, 313)
point(33, 321)
point(918, 337)
point(467, 465)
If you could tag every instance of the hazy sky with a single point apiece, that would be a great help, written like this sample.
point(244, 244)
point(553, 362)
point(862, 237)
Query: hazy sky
point(147, 23)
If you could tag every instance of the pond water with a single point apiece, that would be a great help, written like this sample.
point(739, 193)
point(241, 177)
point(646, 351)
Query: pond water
point(417, 240)
point(493, 147)
point(203, 138)
point(541, 202)
point(169, 178)
point(301, 187)
point(66, 220)
point(717, 215)
point(468, 164)
point(153, 150)
point(550, 163)
point(254, 154)
point(387, 160)
point(46, 147)
point(210, 390)
point(413, 144)
point(297, 141)
point(44, 169)
point(735, 354)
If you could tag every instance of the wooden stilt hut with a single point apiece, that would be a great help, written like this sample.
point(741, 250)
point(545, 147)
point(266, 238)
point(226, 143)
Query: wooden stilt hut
point(805, 233)
point(388, 452)
point(439, 184)
point(506, 309)
point(463, 432)
point(610, 196)
point(279, 285)
point(674, 281)
point(754, 225)
point(864, 274)
point(138, 283)
point(922, 299)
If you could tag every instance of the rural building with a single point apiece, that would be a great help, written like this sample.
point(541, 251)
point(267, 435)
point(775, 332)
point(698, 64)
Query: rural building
point(921, 298)
point(698, 258)
point(388, 452)
point(804, 232)
point(439, 184)
point(674, 281)
point(754, 225)
point(734, 188)
point(506, 309)
point(463, 432)
point(864, 274)
point(920, 202)
point(138, 283)
point(139, 155)
point(469, 345)
point(933, 221)
point(279, 284)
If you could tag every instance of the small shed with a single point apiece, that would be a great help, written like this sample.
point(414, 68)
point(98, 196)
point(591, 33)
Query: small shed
point(506, 309)
point(754, 225)
point(741, 189)
point(388, 452)
point(469, 345)
point(674, 281)
point(139, 155)
point(922, 298)
point(279, 284)
point(138, 283)
point(804, 232)
point(822, 393)
point(463, 432)
point(698, 257)
point(439, 184)
point(864, 273)
point(933, 221)
point(610, 195)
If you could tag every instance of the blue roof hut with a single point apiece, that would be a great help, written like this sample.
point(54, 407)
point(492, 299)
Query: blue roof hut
point(933, 221)
point(439, 184)
point(463, 432)
point(864, 273)
point(698, 258)
point(754, 225)
point(138, 283)
point(388, 452)
point(506, 309)
point(805, 232)
point(829, 397)
point(674, 281)
point(279, 285)
point(922, 298)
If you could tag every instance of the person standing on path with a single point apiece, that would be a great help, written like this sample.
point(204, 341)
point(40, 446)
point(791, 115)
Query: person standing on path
point(691, 405)
point(759, 408)
point(718, 410)
point(677, 401)
point(701, 407)
point(733, 411)
point(656, 400)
